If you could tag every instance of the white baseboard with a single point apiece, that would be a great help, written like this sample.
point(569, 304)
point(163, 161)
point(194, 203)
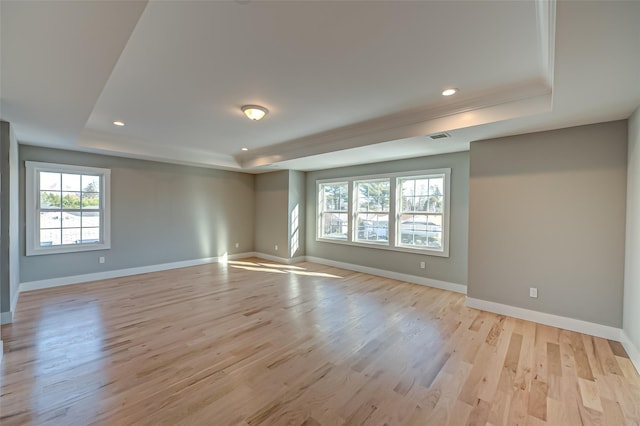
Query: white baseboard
point(558, 321)
point(6, 317)
point(14, 301)
point(632, 350)
point(444, 285)
point(117, 273)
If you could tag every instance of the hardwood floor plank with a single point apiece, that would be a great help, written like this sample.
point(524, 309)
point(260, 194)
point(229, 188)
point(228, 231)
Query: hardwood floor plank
point(617, 349)
point(252, 342)
point(612, 413)
point(538, 400)
point(553, 359)
point(582, 360)
point(479, 414)
point(606, 357)
point(590, 395)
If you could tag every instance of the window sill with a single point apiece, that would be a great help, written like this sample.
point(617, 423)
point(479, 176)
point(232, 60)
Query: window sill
point(38, 251)
point(386, 246)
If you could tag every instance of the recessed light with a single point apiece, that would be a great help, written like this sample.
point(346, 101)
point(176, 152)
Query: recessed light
point(254, 112)
point(118, 123)
point(449, 92)
point(245, 149)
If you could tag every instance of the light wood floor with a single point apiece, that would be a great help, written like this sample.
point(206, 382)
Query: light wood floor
point(254, 343)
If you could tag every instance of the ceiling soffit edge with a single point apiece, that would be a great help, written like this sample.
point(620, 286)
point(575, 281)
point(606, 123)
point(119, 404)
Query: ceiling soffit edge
point(107, 143)
point(489, 106)
point(546, 23)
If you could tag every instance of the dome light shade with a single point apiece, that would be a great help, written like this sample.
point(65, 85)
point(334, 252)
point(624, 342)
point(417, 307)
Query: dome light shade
point(254, 112)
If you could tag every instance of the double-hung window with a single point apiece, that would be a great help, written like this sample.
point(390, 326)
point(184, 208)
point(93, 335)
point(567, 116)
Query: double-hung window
point(421, 211)
point(372, 210)
point(67, 208)
point(333, 210)
point(406, 211)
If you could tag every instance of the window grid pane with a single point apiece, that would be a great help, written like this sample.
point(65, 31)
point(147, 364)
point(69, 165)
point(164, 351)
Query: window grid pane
point(63, 197)
point(371, 220)
point(420, 219)
point(334, 205)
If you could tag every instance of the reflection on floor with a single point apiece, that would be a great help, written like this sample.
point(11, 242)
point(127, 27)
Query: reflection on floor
point(252, 342)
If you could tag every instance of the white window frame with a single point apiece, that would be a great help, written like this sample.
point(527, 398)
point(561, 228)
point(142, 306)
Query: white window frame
point(394, 195)
point(320, 211)
point(445, 174)
point(32, 196)
point(354, 236)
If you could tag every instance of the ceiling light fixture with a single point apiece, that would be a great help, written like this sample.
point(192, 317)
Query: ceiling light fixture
point(449, 92)
point(118, 123)
point(245, 149)
point(254, 112)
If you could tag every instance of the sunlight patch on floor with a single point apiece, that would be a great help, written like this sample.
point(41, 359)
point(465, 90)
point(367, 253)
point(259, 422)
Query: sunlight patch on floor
point(277, 268)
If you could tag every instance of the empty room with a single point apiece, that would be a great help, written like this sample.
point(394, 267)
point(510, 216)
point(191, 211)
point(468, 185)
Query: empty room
point(256, 212)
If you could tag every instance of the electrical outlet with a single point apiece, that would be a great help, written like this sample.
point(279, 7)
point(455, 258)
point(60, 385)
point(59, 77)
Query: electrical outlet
point(422, 265)
point(237, 245)
point(101, 259)
point(533, 292)
point(276, 247)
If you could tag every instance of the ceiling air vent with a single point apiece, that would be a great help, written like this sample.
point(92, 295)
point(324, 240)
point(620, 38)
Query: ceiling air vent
point(440, 136)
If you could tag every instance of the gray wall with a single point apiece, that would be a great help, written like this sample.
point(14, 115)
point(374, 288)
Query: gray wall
point(297, 198)
point(272, 200)
point(547, 210)
point(160, 213)
point(631, 322)
point(9, 237)
point(452, 269)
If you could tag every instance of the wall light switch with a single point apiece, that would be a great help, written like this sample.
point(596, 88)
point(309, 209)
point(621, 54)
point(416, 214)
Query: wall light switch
point(237, 245)
point(276, 247)
point(101, 259)
point(422, 265)
point(533, 292)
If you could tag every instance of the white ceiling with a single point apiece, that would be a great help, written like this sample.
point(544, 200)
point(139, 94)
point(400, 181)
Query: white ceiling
point(345, 82)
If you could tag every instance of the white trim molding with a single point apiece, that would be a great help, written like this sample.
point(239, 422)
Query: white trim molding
point(632, 350)
point(77, 279)
point(558, 321)
point(429, 282)
point(6, 317)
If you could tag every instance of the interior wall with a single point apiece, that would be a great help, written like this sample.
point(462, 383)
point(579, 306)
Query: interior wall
point(631, 320)
point(9, 244)
point(297, 203)
point(271, 223)
point(452, 269)
point(160, 213)
point(547, 210)
point(5, 297)
point(14, 219)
